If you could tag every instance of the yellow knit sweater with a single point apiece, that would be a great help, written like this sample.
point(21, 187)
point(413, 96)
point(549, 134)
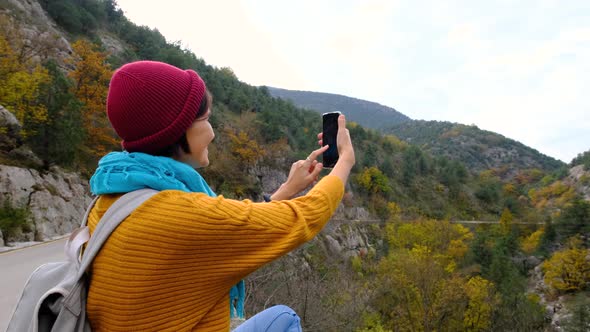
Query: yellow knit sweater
point(171, 263)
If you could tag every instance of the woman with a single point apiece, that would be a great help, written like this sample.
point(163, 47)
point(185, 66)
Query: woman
point(170, 265)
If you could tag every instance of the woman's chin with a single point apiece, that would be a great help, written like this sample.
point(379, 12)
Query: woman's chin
point(196, 163)
point(202, 163)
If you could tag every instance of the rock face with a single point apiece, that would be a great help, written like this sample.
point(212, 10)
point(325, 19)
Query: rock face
point(10, 131)
point(56, 200)
point(556, 310)
point(580, 179)
point(39, 31)
point(111, 44)
point(345, 237)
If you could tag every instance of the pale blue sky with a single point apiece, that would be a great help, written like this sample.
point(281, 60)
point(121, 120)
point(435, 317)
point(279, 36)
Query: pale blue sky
point(518, 68)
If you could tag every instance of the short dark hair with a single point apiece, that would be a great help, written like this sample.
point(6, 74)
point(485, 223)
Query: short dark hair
point(182, 143)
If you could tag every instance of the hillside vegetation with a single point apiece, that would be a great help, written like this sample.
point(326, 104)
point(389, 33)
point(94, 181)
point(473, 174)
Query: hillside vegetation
point(478, 149)
point(418, 272)
point(582, 159)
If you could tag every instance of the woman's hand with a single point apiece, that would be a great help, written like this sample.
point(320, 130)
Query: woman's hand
point(346, 158)
point(303, 173)
point(345, 149)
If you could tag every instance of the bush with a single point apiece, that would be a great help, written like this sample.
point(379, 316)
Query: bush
point(568, 270)
point(13, 220)
point(582, 159)
point(579, 320)
point(574, 219)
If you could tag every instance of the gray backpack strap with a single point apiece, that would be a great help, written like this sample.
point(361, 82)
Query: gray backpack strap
point(79, 236)
point(118, 212)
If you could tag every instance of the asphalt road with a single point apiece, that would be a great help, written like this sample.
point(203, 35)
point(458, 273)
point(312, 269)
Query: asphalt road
point(15, 268)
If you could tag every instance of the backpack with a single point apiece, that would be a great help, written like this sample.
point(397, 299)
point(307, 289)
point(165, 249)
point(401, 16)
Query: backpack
point(54, 297)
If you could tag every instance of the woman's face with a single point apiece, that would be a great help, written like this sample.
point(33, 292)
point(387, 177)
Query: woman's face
point(198, 136)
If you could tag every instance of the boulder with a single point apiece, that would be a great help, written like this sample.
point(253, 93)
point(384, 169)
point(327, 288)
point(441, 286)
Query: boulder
point(333, 246)
point(26, 156)
point(532, 262)
point(9, 131)
point(17, 184)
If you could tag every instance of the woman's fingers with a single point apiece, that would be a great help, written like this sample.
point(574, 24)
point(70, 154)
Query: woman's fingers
point(342, 122)
point(303, 173)
point(313, 164)
point(315, 153)
point(345, 149)
point(316, 171)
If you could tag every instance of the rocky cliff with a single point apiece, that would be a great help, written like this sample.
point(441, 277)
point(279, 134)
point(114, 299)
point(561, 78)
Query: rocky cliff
point(579, 178)
point(56, 200)
point(39, 35)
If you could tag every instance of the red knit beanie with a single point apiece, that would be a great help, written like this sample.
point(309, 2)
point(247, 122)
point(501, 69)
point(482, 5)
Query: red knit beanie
point(152, 104)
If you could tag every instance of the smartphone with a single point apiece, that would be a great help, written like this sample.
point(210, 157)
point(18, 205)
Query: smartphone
point(330, 132)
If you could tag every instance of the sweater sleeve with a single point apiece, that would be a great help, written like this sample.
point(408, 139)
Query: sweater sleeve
point(236, 237)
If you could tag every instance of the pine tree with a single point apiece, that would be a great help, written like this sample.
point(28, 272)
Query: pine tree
point(59, 140)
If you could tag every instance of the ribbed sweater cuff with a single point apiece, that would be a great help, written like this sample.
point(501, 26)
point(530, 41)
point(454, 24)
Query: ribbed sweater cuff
point(333, 187)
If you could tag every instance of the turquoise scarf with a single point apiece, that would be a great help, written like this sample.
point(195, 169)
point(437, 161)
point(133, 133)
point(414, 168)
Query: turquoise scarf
point(122, 172)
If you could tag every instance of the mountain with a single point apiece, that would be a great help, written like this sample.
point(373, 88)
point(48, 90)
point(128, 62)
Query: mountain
point(365, 113)
point(477, 149)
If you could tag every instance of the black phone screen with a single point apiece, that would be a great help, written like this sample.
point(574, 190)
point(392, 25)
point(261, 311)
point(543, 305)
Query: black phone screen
point(330, 131)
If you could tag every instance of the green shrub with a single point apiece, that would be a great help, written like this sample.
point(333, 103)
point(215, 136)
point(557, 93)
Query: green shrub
point(579, 320)
point(13, 219)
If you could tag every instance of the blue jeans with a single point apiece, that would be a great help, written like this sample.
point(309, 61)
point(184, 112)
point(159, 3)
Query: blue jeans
point(279, 318)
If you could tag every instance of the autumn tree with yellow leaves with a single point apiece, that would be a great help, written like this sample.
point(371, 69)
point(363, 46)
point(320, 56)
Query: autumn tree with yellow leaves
point(482, 301)
point(373, 181)
point(91, 78)
point(20, 88)
point(531, 242)
point(569, 269)
point(246, 149)
point(420, 287)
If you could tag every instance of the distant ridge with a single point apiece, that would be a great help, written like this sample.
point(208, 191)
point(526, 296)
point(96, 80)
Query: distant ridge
point(477, 149)
point(365, 113)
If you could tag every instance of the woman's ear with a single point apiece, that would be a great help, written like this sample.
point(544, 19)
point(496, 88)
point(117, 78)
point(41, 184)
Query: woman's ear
point(179, 153)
